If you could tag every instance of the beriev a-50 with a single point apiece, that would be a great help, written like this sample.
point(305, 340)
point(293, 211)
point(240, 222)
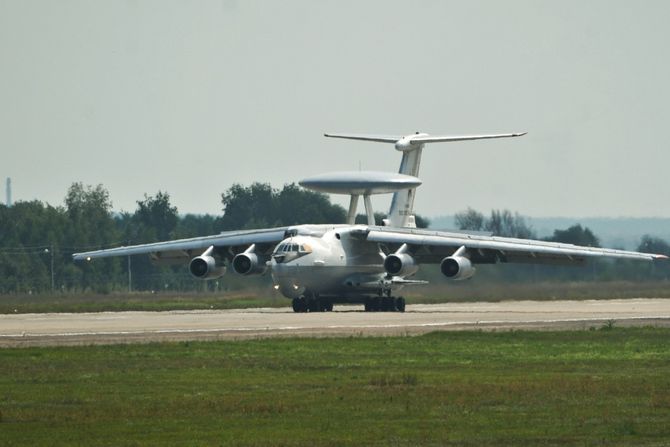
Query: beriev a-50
point(319, 265)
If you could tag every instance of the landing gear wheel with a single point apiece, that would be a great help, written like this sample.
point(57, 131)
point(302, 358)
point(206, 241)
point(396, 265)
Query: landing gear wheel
point(376, 304)
point(299, 305)
point(313, 305)
point(328, 306)
point(384, 304)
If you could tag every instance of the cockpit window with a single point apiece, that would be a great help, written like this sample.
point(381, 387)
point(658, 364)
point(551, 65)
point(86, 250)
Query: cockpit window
point(293, 248)
point(285, 248)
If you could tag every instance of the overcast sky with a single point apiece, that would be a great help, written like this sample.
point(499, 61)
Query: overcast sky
point(191, 97)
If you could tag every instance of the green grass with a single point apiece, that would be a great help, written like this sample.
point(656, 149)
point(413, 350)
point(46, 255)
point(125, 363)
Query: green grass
point(600, 387)
point(138, 301)
point(472, 291)
point(468, 291)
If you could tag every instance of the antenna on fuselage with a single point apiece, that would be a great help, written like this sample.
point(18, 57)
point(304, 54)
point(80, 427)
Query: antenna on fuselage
point(402, 205)
point(360, 183)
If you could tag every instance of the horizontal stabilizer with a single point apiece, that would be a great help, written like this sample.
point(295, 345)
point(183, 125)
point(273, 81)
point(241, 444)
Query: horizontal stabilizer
point(420, 138)
point(446, 139)
point(377, 138)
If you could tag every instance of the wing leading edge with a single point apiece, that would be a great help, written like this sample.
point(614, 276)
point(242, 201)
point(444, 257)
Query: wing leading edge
point(188, 248)
point(489, 249)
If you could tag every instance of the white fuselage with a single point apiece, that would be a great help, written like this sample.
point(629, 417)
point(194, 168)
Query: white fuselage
point(334, 264)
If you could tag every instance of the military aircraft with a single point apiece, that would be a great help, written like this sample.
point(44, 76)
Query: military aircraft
point(320, 265)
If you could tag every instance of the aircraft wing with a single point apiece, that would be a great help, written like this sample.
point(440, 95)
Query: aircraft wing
point(182, 250)
point(432, 246)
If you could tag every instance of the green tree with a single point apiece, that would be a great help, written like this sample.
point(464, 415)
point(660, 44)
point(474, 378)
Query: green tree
point(657, 269)
point(155, 218)
point(500, 223)
point(248, 207)
point(470, 220)
point(296, 205)
point(90, 226)
point(504, 223)
point(31, 233)
point(421, 221)
point(193, 225)
point(576, 235)
point(261, 206)
point(656, 245)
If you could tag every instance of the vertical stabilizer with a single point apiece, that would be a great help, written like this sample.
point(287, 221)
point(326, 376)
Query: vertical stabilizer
point(402, 205)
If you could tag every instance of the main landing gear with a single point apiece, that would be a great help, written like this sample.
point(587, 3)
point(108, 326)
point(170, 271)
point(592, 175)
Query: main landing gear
point(311, 304)
point(385, 304)
point(307, 303)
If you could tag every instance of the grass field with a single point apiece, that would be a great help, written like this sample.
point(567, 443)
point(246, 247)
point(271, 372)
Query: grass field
point(438, 293)
point(609, 386)
point(138, 301)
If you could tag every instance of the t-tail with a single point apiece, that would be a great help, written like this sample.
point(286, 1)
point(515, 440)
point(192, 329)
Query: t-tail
point(411, 146)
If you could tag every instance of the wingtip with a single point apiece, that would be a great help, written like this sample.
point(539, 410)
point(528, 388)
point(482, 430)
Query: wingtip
point(661, 257)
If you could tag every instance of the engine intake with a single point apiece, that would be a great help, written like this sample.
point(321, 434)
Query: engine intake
point(204, 267)
point(457, 267)
point(400, 264)
point(248, 264)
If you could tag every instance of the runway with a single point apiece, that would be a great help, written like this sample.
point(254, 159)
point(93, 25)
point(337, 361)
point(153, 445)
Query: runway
point(19, 330)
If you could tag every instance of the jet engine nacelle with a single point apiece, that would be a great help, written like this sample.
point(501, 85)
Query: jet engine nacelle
point(204, 267)
point(400, 264)
point(248, 264)
point(457, 267)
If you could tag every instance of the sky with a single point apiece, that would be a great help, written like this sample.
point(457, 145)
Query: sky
point(191, 97)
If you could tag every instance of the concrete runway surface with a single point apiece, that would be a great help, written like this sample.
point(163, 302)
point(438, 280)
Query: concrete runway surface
point(19, 330)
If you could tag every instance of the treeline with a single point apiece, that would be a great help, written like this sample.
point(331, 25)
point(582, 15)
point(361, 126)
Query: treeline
point(504, 223)
point(37, 239)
